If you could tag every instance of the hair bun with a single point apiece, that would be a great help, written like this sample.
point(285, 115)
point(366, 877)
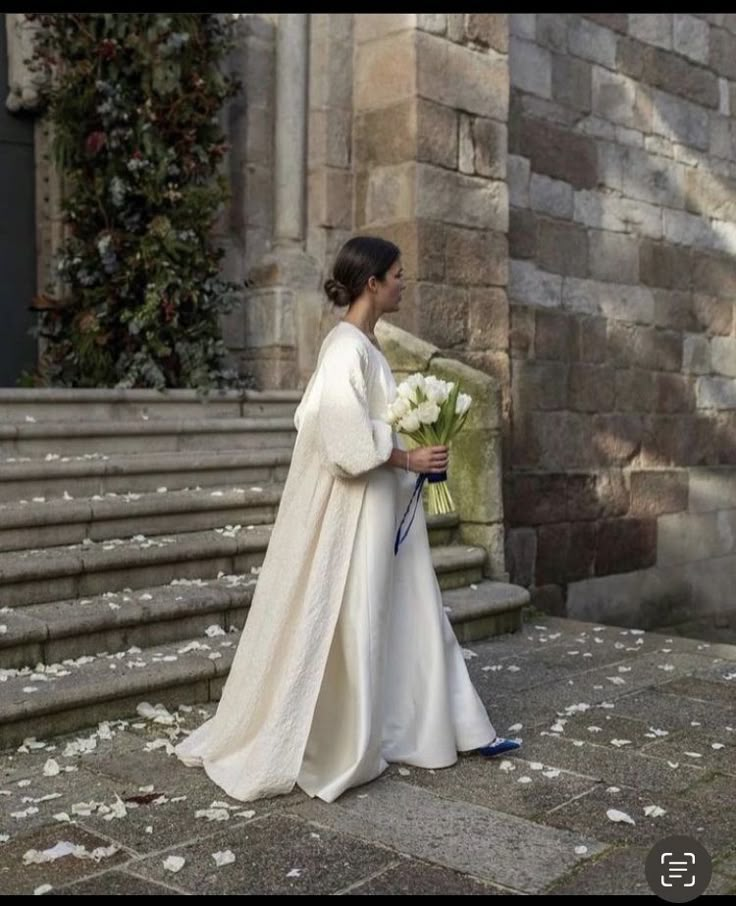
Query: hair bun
point(337, 293)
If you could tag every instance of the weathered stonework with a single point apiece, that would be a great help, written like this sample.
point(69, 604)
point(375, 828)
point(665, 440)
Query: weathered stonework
point(563, 189)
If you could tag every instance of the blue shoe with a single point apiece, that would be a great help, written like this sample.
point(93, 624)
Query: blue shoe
point(499, 746)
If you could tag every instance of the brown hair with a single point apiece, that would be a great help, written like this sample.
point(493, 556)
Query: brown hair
point(361, 258)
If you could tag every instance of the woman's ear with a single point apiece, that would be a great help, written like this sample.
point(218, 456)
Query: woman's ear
point(372, 284)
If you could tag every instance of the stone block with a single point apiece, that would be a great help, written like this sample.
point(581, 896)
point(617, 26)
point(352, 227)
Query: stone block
point(518, 180)
point(715, 393)
point(723, 355)
point(521, 332)
point(531, 67)
point(539, 385)
point(625, 545)
point(461, 78)
point(422, 244)
point(680, 120)
point(490, 143)
point(712, 315)
point(674, 310)
point(331, 198)
point(464, 200)
point(522, 233)
point(442, 314)
point(613, 256)
point(663, 264)
point(591, 343)
point(591, 388)
point(615, 21)
point(616, 438)
point(571, 81)
point(385, 71)
point(551, 30)
point(658, 491)
point(476, 257)
point(683, 537)
point(635, 390)
point(696, 354)
point(722, 55)
point(614, 97)
point(521, 555)
point(562, 248)
point(488, 319)
point(535, 499)
point(488, 30)
point(596, 495)
point(530, 286)
point(523, 25)
point(560, 153)
point(555, 335)
point(675, 393)
point(372, 26)
point(652, 28)
point(714, 275)
point(591, 41)
point(712, 489)
point(551, 196)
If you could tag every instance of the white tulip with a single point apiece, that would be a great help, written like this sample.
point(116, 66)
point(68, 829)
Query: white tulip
point(410, 423)
point(428, 413)
point(400, 407)
point(435, 390)
point(463, 403)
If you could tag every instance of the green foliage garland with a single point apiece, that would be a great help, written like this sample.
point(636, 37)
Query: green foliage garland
point(134, 100)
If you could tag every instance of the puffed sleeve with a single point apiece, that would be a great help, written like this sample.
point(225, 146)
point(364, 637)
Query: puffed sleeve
point(351, 442)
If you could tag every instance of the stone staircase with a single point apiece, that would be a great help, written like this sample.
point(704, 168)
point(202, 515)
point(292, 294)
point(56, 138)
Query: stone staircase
point(132, 528)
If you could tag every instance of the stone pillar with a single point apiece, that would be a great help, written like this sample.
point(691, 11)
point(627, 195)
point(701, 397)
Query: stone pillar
point(290, 135)
point(23, 83)
point(431, 96)
point(281, 304)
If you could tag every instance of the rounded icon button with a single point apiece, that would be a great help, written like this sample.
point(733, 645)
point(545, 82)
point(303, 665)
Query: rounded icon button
point(678, 869)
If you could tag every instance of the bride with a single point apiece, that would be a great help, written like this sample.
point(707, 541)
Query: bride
point(347, 661)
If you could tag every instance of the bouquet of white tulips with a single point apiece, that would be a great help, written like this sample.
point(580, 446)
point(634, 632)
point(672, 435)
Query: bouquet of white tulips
point(431, 412)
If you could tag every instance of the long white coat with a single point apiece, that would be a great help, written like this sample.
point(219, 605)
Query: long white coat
point(255, 744)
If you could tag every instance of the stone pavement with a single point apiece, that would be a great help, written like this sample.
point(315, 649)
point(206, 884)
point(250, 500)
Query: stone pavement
point(611, 719)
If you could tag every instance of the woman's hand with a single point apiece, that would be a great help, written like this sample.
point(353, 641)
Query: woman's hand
point(429, 459)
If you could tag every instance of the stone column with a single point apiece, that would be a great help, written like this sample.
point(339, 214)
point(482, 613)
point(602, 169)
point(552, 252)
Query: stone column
point(280, 307)
point(290, 134)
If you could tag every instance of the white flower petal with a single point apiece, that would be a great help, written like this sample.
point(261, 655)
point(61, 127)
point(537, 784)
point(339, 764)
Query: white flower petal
point(616, 816)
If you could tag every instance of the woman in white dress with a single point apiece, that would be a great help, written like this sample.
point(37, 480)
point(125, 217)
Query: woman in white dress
point(347, 661)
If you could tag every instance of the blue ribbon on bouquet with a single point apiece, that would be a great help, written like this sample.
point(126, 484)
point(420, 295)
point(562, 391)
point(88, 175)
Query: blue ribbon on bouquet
point(416, 496)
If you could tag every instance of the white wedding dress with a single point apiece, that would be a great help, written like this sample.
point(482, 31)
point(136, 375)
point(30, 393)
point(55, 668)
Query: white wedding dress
point(394, 687)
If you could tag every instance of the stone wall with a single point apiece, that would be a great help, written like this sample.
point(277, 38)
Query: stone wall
point(690, 579)
point(429, 152)
point(621, 173)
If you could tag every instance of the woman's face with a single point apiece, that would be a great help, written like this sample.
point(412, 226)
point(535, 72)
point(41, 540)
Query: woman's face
point(389, 290)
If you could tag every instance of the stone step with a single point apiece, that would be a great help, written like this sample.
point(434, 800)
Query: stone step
point(24, 405)
point(91, 568)
point(111, 622)
point(154, 436)
point(114, 621)
point(68, 696)
point(85, 476)
point(458, 565)
point(442, 528)
point(485, 609)
point(82, 570)
point(65, 522)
